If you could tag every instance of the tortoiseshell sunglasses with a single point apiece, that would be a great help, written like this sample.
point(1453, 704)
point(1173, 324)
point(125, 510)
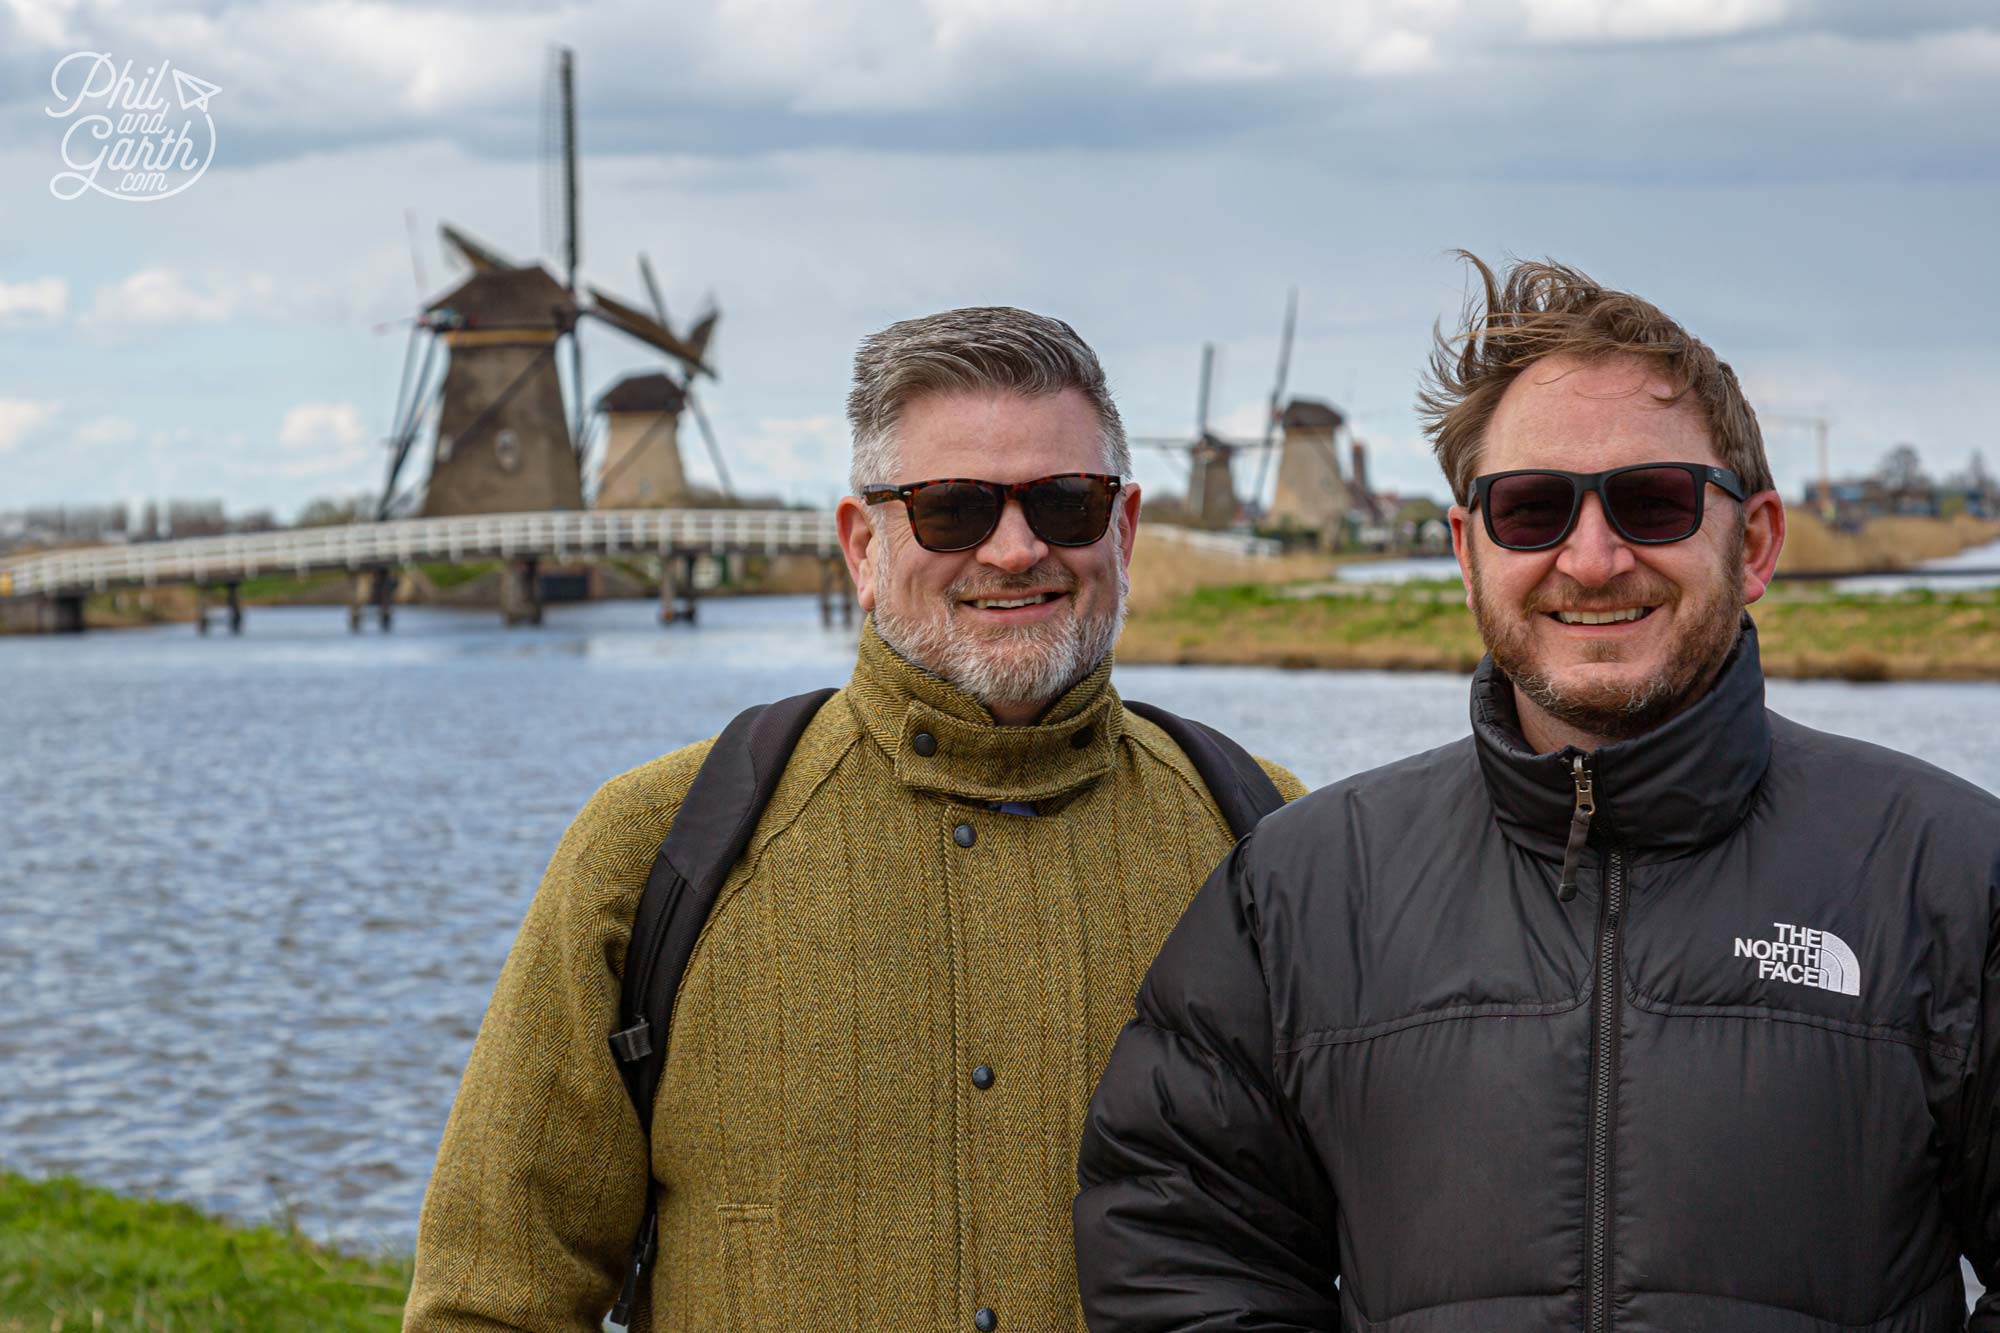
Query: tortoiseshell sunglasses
point(958, 513)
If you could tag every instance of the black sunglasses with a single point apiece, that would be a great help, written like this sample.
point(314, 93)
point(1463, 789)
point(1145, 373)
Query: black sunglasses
point(958, 513)
point(1651, 504)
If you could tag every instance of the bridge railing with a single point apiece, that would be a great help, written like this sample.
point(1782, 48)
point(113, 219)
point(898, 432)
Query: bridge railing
point(555, 535)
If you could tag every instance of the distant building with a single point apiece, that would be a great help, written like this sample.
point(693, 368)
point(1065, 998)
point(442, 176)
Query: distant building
point(1900, 487)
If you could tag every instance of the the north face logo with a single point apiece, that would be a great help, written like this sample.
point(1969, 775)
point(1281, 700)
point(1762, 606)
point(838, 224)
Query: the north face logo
point(1805, 957)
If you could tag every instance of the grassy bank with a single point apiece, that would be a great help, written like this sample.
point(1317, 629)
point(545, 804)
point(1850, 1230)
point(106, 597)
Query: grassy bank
point(77, 1258)
point(1802, 632)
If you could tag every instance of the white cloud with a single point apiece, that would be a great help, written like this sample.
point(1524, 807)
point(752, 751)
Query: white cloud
point(43, 22)
point(35, 300)
point(19, 417)
point(161, 297)
point(1642, 20)
point(321, 426)
point(318, 441)
point(106, 431)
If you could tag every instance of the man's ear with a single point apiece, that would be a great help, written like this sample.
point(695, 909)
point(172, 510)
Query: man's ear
point(1126, 516)
point(1461, 546)
point(1763, 538)
point(858, 540)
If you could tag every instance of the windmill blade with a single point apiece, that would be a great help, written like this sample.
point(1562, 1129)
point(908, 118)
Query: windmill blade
point(413, 412)
point(708, 438)
point(1277, 392)
point(1201, 408)
point(416, 255)
point(653, 292)
point(703, 330)
point(637, 324)
point(483, 258)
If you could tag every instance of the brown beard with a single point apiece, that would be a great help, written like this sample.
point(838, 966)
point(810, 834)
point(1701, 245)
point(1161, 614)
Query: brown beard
point(1616, 712)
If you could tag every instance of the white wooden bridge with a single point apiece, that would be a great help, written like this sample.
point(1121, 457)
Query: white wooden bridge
point(60, 580)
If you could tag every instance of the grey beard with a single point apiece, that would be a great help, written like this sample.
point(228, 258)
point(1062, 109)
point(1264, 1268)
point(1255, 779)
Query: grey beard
point(1060, 656)
point(996, 670)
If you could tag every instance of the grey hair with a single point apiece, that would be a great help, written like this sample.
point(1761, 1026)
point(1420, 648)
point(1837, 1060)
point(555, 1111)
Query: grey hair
point(980, 347)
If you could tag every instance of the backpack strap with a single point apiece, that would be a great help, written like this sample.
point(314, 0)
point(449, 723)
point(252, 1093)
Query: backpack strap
point(1243, 791)
point(710, 831)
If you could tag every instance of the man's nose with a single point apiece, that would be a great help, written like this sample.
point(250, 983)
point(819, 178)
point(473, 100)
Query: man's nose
point(1013, 546)
point(1594, 554)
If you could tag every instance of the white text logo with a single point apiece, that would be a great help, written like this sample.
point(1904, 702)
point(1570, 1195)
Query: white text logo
point(126, 138)
point(1805, 957)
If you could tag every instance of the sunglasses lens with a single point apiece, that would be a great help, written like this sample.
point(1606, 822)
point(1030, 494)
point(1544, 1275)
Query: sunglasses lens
point(1530, 509)
point(1654, 504)
point(953, 515)
point(1069, 511)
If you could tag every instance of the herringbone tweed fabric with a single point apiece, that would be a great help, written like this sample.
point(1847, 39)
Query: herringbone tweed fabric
point(825, 1157)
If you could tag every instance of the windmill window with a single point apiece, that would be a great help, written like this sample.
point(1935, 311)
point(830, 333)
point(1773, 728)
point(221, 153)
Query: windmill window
point(507, 449)
point(444, 448)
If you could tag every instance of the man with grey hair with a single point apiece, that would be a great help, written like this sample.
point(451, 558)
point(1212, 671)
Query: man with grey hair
point(889, 1025)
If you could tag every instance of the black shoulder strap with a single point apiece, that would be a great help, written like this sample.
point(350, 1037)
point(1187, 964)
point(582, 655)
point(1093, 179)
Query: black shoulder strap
point(710, 831)
point(1242, 789)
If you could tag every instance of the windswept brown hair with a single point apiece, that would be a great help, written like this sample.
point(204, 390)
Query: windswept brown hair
point(1546, 309)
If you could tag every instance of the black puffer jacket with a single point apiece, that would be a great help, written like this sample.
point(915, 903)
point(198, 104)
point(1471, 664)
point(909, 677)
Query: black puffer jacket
point(1374, 1049)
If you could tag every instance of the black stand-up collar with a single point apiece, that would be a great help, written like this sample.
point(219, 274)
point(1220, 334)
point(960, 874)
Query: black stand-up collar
point(1681, 786)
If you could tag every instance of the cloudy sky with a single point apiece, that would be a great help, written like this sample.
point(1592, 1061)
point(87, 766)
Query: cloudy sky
point(1813, 187)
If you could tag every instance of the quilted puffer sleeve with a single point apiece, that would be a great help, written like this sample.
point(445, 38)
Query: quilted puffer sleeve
point(1972, 1135)
point(1201, 1207)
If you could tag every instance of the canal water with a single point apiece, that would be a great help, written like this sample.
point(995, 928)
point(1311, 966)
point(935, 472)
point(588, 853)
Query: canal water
point(254, 893)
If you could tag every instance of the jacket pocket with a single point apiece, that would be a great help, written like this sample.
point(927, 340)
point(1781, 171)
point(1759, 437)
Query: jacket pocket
point(750, 1265)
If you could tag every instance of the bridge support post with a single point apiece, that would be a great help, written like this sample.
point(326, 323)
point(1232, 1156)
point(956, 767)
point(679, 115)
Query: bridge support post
point(383, 580)
point(521, 592)
point(836, 592)
point(677, 591)
point(62, 613)
point(200, 608)
point(234, 593)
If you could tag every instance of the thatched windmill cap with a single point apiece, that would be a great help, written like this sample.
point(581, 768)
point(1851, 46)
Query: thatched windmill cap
point(512, 298)
point(655, 392)
point(1311, 414)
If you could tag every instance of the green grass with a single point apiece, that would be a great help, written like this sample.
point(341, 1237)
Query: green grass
point(73, 1257)
point(1803, 631)
point(445, 576)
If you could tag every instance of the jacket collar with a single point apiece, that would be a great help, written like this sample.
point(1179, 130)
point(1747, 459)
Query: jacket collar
point(1681, 786)
point(974, 757)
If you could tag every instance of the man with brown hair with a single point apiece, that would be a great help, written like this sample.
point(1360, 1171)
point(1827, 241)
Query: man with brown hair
point(917, 956)
point(1639, 1008)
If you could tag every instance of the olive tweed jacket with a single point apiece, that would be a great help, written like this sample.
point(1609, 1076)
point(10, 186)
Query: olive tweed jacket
point(826, 1154)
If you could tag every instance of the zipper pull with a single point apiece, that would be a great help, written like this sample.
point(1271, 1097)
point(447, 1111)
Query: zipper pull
point(1579, 830)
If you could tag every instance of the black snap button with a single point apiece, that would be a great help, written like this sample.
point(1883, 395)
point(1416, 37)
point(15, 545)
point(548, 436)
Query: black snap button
point(964, 835)
point(985, 1320)
point(1080, 740)
point(924, 744)
point(982, 1077)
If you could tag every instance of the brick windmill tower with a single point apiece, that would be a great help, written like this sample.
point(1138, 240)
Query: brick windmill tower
point(503, 442)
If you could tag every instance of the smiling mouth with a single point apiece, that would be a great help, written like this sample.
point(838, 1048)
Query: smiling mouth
point(1602, 617)
point(1011, 603)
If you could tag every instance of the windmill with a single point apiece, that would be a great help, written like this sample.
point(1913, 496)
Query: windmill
point(1212, 501)
point(642, 463)
point(504, 440)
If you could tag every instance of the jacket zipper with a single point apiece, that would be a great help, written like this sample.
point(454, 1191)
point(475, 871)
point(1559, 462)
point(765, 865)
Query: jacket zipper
point(1579, 829)
point(1604, 1088)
